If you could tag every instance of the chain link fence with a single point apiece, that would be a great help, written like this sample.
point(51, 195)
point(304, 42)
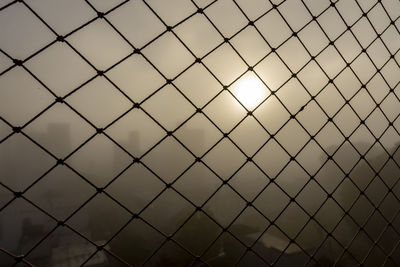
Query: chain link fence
point(199, 133)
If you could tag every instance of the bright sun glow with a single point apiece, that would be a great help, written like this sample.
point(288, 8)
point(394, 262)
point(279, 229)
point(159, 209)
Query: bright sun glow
point(250, 91)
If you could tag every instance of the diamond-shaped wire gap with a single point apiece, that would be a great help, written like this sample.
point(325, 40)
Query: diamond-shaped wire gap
point(136, 242)
point(361, 210)
point(225, 250)
point(330, 100)
point(201, 92)
point(198, 184)
point(332, 253)
point(172, 112)
point(136, 77)
point(52, 192)
point(19, 89)
point(135, 188)
point(311, 157)
point(317, 7)
point(61, 252)
point(225, 159)
point(129, 19)
point(249, 181)
point(249, 226)
point(168, 55)
point(101, 38)
point(329, 137)
point(348, 47)
point(271, 244)
point(309, 34)
point(272, 114)
point(34, 226)
point(348, 123)
point(347, 83)
point(95, 162)
point(285, 137)
point(293, 54)
point(361, 175)
point(331, 23)
point(160, 159)
point(292, 179)
point(346, 157)
point(328, 222)
point(168, 211)
point(57, 14)
point(310, 237)
point(388, 206)
point(346, 231)
point(378, 53)
point(249, 90)
point(363, 68)
point(199, 35)
point(226, 17)
point(376, 257)
point(272, 201)
point(313, 78)
point(364, 32)
point(272, 158)
point(249, 136)
point(22, 162)
point(312, 118)
point(250, 44)
point(197, 233)
point(23, 33)
point(170, 254)
point(388, 139)
point(349, 11)
point(250, 257)
point(198, 134)
point(273, 72)
point(292, 220)
point(225, 111)
point(100, 218)
point(225, 64)
point(331, 62)
point(255, 10)
point(225, 205)
point(134, 139)
point(60, 68)
point(182, 10)
point(293, 96)
point(106, 104)
point(275, 36)
point(105, 5)
point(302, 17)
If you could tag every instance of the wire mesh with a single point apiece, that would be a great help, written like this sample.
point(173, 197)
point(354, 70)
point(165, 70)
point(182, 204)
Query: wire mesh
point(255, 183)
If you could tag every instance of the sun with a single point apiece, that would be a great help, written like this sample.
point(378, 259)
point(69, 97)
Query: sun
point(250, 91)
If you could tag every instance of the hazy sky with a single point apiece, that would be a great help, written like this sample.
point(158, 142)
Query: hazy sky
point(266, 98)
point(61, 70)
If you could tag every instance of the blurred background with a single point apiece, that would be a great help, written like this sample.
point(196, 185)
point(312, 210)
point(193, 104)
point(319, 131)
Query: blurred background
point(199, 133)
